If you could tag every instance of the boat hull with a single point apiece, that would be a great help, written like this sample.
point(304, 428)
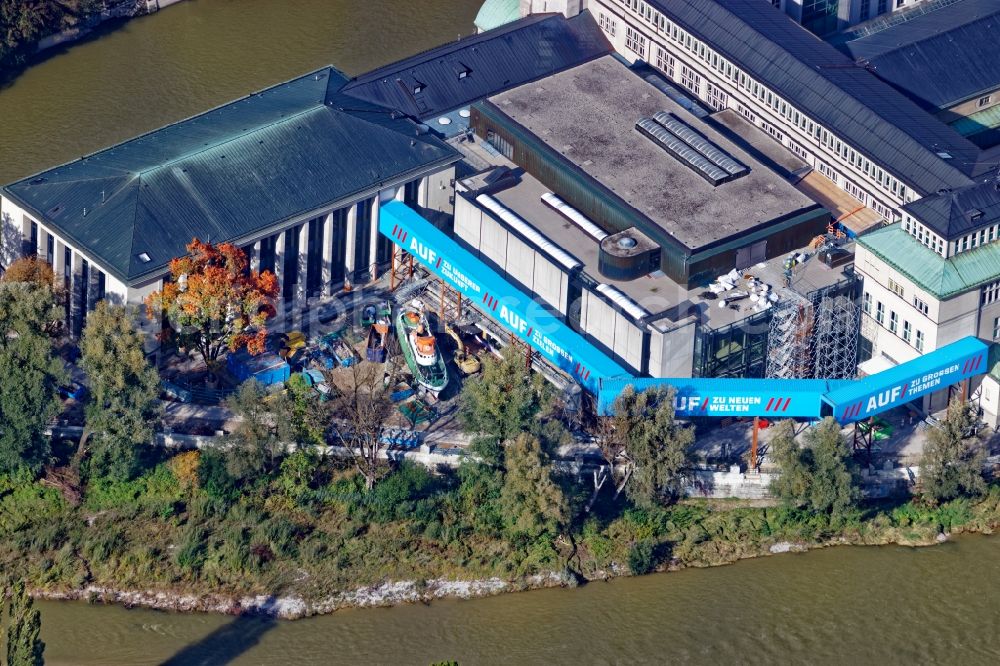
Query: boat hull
point(432, 377)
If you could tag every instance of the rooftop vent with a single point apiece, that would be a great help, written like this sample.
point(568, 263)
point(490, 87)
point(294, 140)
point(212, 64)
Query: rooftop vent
point(691, 148)
point(628, 255)
point(974, 214)
point(143, 257)
point(944, 155)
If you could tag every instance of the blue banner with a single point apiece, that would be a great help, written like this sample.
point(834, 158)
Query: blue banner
point(897, 386)
point(493, 295)
point(850, 400)
point(775, 399)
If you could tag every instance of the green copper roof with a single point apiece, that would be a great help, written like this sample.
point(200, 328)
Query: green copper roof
point(227, 174)
point(495, 13)
point(941, 277)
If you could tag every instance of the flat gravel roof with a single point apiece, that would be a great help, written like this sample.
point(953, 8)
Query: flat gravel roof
point(588, 115)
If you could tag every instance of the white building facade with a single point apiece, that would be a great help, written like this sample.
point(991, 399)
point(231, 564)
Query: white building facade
point(643, 30)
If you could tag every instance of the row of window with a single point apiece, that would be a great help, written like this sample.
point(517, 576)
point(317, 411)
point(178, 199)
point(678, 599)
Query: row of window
point(980, 237)
point(991, 293)
point(908, 333)
point(936, 243)
point(897, 288)
point(741, 80)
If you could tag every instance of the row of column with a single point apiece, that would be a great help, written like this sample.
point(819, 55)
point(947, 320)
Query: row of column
point(299, 298)
point(80, 278)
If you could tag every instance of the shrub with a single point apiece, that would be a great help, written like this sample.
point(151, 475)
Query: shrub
point(191, 554)
point(641, 558)
point(184, 467)
point(213, 477)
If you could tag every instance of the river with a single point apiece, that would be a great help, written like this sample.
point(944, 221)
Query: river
point(196, 55)
point(861, 606)
point(840, 605)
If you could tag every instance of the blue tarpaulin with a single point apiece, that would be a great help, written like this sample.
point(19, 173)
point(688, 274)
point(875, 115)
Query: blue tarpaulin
point(267, 368)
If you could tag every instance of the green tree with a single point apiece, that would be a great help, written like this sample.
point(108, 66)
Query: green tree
point(29, 376)
point(821, 476)
point(795, 476)
point(123, 408)
point(24, 22)
point(254, 448)
point(503, 402)
point(24, 626)
point(952, 464)
point(532, 504)
point(300, 415)
point(645, 445)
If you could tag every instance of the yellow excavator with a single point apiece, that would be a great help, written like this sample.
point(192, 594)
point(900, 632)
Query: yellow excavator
point(466, 363)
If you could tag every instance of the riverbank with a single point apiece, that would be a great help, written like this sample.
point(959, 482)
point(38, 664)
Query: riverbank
point(34, 31)
point(400, 565)
point(122, 10)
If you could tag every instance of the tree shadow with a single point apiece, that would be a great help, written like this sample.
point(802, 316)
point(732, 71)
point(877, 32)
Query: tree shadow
point(225, 643)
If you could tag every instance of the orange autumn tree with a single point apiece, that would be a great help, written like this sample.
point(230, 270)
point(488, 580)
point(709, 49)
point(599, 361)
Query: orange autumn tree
point(213, 302)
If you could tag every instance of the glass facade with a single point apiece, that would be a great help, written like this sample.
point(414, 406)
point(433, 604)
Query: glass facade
point(820, 16)
point(740, 349)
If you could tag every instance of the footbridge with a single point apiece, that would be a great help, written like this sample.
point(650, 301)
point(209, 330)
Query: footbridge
point(847, 400)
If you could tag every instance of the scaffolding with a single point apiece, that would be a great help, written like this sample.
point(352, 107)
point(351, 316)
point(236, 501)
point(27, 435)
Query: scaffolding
point(790, 339)
point(838, 321)
point(813, 338)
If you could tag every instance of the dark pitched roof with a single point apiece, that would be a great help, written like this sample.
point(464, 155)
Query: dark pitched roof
point(954, 213)
point(227, 173)
point(890, 128)
point(494, 61)
point(939, 58)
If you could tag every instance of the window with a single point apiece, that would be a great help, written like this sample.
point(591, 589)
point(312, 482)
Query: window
point(920, 305)
point(907, 331)
point(983, 101)
point(827, 171)
point(608, 24)
point(920, 341)
point(854, 191)
point(895, 287)
point(690, 80)
point(893, 321)
point(991, 293)
point(665, 62)
point(996, 328)
point(879, 312)
point(362, 241)
point(635, 42)
point(717, 98)
point(868, 303)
